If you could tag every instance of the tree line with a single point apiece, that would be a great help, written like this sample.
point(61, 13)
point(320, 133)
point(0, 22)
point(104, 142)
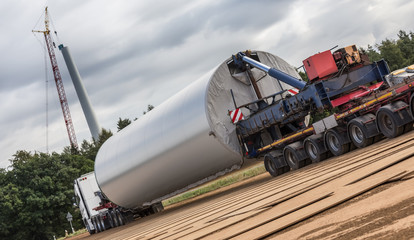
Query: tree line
point(398, 53)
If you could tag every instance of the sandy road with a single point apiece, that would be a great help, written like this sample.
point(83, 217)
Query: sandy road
point(367, 193)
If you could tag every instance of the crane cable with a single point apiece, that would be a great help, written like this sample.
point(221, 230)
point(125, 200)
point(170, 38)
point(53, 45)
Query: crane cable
point(43, 46)
point(54, 29)
point(47, 101)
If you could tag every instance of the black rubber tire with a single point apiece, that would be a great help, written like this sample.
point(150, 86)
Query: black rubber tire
point(388, 125)
point(408, 127)
point(335, 143)
point(120, 218)
point(313, 151)
point(114, 218)
point(102, 223)
point(292, 159)
point(157, 207)
point(96, 225)
point(358, 135)
point(412, 106)
point(90, 231)
point(271, 167)
point(141, 214)
point(110, 219)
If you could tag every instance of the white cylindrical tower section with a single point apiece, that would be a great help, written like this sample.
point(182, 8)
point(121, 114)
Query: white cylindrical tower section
point(186, 141)
point(81, 92)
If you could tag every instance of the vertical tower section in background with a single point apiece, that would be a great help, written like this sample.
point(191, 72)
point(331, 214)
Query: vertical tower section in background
point(81, 92)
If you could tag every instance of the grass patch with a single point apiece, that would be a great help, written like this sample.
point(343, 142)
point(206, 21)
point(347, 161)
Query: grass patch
point(74, 234)
point(216, 184)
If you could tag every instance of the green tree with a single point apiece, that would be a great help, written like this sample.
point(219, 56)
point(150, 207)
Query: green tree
point(392, 54)
point(122, 123)
point(303, 76)
point(90, 149)
point(149, 108)
point(373, 55)
point(36, 194)
point(398, 53)
point(406, 45)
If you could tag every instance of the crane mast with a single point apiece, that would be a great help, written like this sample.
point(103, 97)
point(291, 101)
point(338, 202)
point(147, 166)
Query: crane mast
point(59, 84)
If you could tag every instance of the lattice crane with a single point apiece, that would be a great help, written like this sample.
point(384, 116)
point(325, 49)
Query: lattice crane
point(59, 83)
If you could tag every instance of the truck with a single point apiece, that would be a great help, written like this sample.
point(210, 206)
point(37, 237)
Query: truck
point(253, 106)
point(98, 213)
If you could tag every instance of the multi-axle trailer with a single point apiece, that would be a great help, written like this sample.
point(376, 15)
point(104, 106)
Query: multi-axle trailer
point(253, 105)
point(361, 98)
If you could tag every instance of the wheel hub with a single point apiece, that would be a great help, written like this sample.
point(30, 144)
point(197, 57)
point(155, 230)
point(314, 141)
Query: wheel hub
point(357, 134)
point(333, 142)
point(311, 150)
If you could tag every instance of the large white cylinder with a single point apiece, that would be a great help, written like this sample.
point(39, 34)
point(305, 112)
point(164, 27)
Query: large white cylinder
point(187, 140)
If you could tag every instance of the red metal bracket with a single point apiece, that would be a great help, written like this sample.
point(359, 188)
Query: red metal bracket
point(361, 92)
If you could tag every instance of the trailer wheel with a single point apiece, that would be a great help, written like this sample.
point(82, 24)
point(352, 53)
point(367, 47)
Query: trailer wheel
point(85, 222)
point(115, 218)
point(291, 159)
point(272, 168)
point(315, 148)
point(313, 152)
point(358, 135)
point(143, 213)
point(102, 223)
point(96, 225)
point(408, 127)
point(157, 207)
point(387, 124)
point(336, 143)
point(110, 219)
point(412, 106)
point(119, 217)
point(294, 155)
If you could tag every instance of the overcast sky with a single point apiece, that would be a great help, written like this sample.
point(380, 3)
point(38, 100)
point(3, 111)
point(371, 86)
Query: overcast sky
point(134, 53)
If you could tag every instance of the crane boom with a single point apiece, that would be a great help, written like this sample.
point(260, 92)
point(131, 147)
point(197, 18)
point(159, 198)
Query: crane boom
point(59, 84)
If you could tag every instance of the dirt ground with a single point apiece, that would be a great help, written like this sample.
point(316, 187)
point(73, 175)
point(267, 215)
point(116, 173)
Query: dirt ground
point(365, 194)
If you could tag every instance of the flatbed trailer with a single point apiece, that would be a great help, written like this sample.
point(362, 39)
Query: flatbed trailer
point(380, 99)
